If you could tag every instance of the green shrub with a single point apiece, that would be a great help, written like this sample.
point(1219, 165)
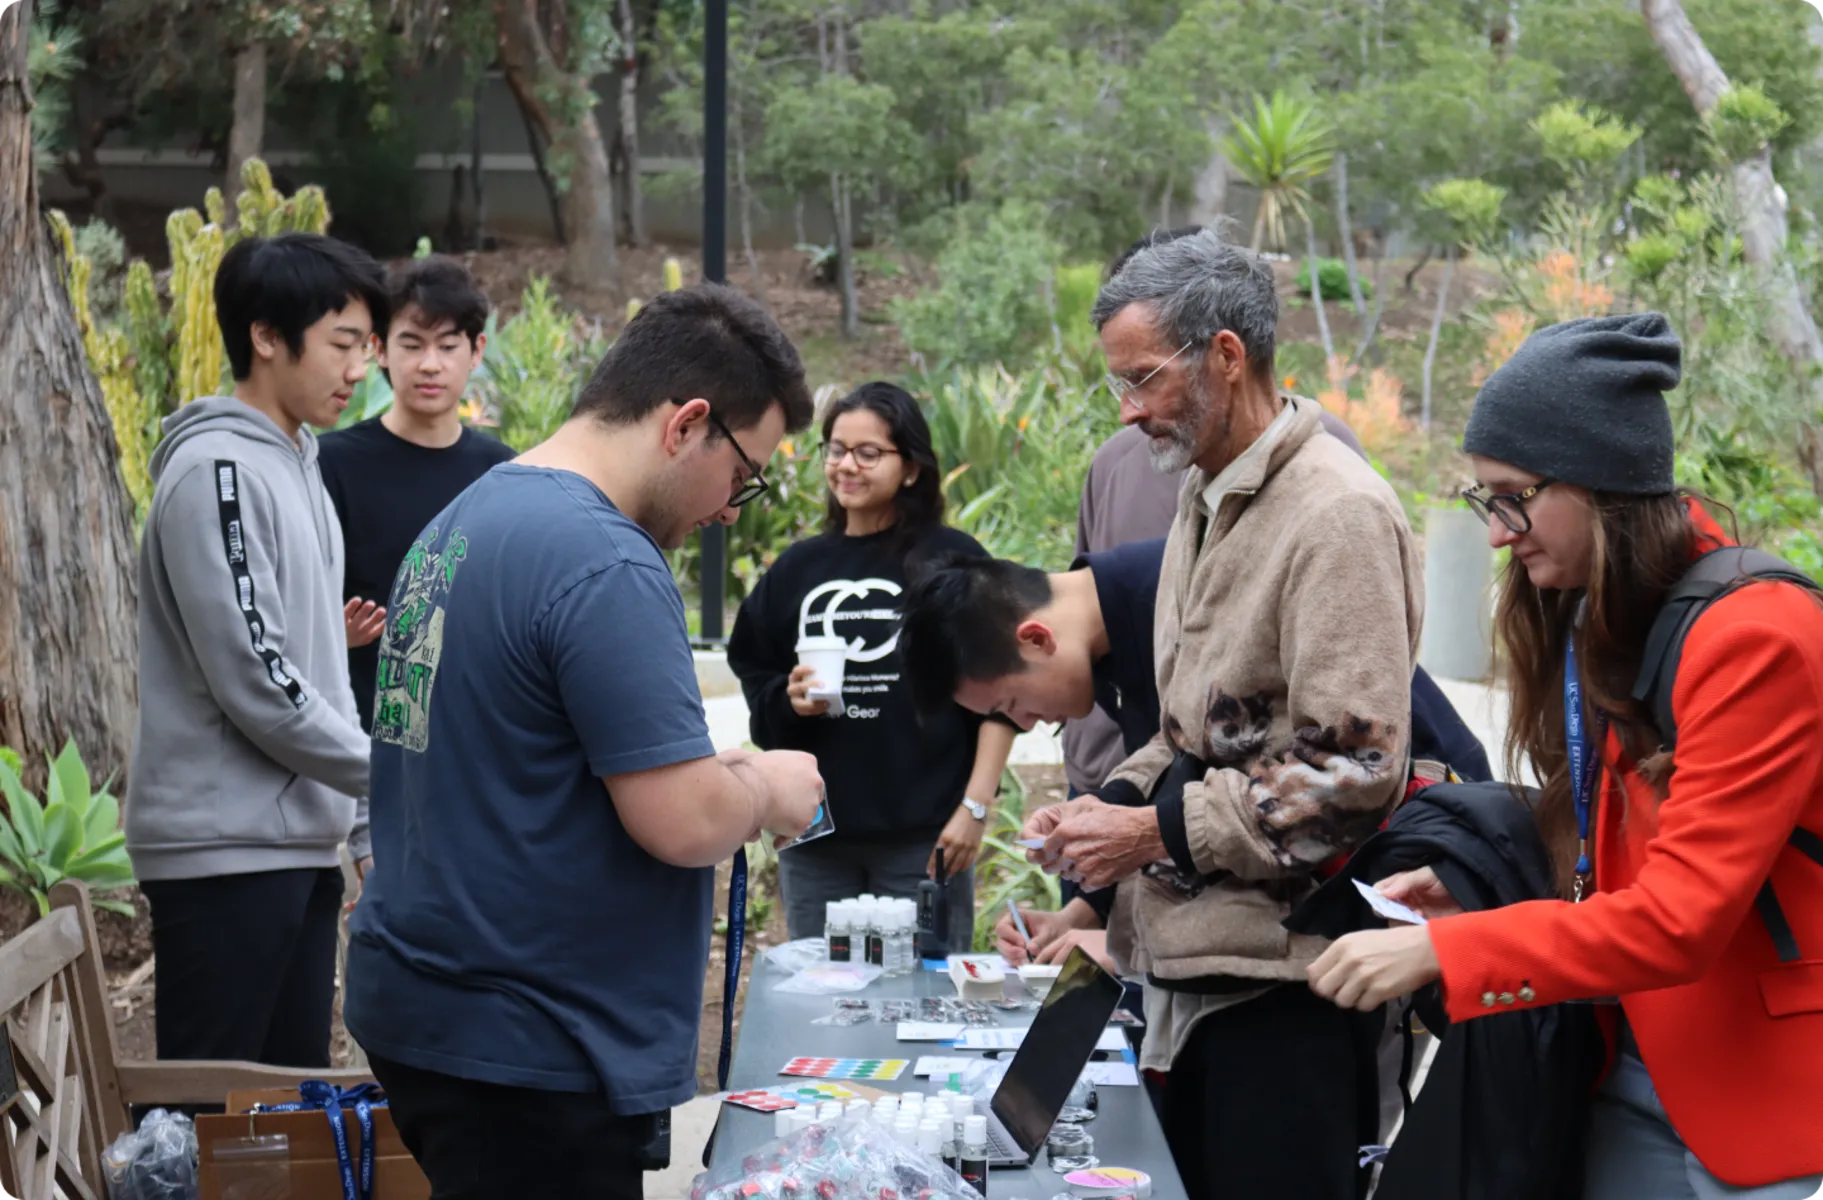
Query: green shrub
point(73, 833)
point(534, 365)
point(993, 301)
point(1332, 276)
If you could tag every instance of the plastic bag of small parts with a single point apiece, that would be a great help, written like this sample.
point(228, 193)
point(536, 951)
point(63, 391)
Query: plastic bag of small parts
point(792, 957)
point(854, 1158)
point(157, 1161)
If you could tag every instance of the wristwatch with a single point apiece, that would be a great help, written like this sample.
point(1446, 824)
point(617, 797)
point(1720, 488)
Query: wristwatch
point(976, 809)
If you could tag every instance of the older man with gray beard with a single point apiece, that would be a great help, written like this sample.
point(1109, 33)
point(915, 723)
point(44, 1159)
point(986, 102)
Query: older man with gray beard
point(1285, 640)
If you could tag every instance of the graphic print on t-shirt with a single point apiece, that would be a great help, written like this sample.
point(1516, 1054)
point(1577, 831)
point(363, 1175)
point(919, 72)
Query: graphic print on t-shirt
point(413, 645)
point(847, 608)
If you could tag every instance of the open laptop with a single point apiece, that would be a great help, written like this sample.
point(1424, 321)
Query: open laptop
point(1049, 1061)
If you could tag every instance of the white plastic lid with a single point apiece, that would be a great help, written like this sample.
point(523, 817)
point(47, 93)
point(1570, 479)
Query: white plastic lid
point(906, 1127)
point(887, 1107)
point(829, 1110)
point(961, 1104)
point(911, 1100)
point(930, 1138)
point(802, 1117)
point(867, 897)
point(781, 1122)
point(974, 1131)
point(821, 641)
point(937, 1109)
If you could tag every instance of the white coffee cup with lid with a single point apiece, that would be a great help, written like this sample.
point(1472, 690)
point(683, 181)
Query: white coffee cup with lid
point(827, 658)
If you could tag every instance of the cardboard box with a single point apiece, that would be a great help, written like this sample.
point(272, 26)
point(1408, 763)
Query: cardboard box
point(310, 1170)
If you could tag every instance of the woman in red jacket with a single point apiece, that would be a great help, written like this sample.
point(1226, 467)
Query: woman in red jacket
point(1717, 1080)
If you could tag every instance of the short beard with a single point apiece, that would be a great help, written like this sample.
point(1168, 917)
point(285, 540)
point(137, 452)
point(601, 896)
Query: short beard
point(1176, 450)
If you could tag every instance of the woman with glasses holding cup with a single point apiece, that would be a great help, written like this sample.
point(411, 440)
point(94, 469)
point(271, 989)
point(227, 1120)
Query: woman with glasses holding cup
point(816, 648)
point(1690, 909)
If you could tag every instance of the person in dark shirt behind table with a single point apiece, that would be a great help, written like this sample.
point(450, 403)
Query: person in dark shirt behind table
point(391, 474)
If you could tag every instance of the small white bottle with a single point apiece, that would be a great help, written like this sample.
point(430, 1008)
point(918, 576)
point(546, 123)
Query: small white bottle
point(829, 1110)
point(961, 1107)
point(930, 1140)
point(905, 931)
point(876, 933)
point(974, 1153)
point(905, 1128)
point(835, 931)
point(886, 1108)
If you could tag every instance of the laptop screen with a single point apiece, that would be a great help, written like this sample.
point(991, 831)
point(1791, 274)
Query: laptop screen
point(1055, 1050)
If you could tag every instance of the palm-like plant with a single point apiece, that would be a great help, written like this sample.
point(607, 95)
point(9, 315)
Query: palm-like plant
point(1285, 143)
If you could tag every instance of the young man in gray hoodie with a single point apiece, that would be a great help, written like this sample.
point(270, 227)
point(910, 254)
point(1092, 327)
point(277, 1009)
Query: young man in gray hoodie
point(250, 766)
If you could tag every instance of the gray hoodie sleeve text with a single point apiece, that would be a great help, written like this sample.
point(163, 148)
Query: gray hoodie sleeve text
point(215, 528)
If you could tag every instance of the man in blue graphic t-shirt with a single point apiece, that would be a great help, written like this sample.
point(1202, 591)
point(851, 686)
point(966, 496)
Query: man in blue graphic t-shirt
point(526, 965)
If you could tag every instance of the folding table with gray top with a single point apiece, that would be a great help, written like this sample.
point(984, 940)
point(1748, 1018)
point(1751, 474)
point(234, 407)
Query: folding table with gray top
point(776, 1027)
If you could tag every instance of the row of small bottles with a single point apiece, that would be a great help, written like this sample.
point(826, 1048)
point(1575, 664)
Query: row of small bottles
point(873, 929)
point(944, 1126)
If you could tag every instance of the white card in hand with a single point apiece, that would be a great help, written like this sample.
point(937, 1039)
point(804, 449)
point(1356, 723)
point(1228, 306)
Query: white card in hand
point(1391, 909)
point(928, 1031)
point(1030, 843)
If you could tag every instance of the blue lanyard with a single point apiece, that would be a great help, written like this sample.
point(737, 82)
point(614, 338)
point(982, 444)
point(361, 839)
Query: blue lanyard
point(331, 1100)
point(731, 975)
point(1585, 761)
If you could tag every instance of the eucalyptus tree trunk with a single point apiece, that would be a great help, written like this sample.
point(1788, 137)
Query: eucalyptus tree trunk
point(68, 642)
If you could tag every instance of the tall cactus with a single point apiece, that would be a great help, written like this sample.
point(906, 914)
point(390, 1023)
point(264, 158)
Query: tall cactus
point(154, 361)
point(198, 360)
point(111, 360)
point(148, 337)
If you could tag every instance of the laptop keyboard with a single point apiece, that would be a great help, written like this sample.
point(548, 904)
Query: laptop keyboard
point(1000, 1147)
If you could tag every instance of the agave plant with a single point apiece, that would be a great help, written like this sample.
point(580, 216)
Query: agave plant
point(73, 833)
point(1285, 143)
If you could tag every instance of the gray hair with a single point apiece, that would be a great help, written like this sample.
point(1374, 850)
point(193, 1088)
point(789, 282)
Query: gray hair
point(1199, 285)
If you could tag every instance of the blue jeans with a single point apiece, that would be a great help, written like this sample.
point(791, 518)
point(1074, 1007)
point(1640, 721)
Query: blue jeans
point(1635, 1154)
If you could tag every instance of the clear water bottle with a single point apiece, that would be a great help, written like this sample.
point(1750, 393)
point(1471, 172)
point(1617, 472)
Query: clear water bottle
point(836, 933)
point(905, 931)
point(875, 935)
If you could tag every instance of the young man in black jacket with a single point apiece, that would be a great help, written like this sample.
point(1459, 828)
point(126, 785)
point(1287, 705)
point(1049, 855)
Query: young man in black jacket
point(1002, 638)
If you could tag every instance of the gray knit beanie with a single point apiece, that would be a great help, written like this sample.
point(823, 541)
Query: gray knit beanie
point(1584, 402)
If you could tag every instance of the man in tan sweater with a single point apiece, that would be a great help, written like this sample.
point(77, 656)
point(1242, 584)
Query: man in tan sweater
point(1285, 640)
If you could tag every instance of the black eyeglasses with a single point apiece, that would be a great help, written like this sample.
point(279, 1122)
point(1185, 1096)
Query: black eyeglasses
point(867, 455)
point(1508, 506)
point(756, 485)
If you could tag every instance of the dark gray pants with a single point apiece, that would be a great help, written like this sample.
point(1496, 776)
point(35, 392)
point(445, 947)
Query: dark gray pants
point(812, 875)
point(1635, 1154)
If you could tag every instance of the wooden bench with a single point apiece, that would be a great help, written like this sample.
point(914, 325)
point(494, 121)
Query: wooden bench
point(75, 1094)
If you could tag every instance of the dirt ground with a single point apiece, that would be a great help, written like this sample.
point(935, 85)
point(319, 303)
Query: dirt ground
point(127, 947)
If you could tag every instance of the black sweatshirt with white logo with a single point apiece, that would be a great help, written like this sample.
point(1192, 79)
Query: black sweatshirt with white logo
point(891, 777)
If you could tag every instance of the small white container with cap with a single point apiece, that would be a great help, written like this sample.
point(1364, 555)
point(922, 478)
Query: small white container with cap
point(829, 1110)
point(974, 1153)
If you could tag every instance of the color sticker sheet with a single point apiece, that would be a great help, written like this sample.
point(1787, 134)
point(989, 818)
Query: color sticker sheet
point(791, 1095)
point(846, 1068)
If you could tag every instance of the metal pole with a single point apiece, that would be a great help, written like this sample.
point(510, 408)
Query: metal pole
point(715, 259)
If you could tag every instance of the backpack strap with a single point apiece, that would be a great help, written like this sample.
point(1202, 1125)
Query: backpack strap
point(1783, 940)
point(1710, 578)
